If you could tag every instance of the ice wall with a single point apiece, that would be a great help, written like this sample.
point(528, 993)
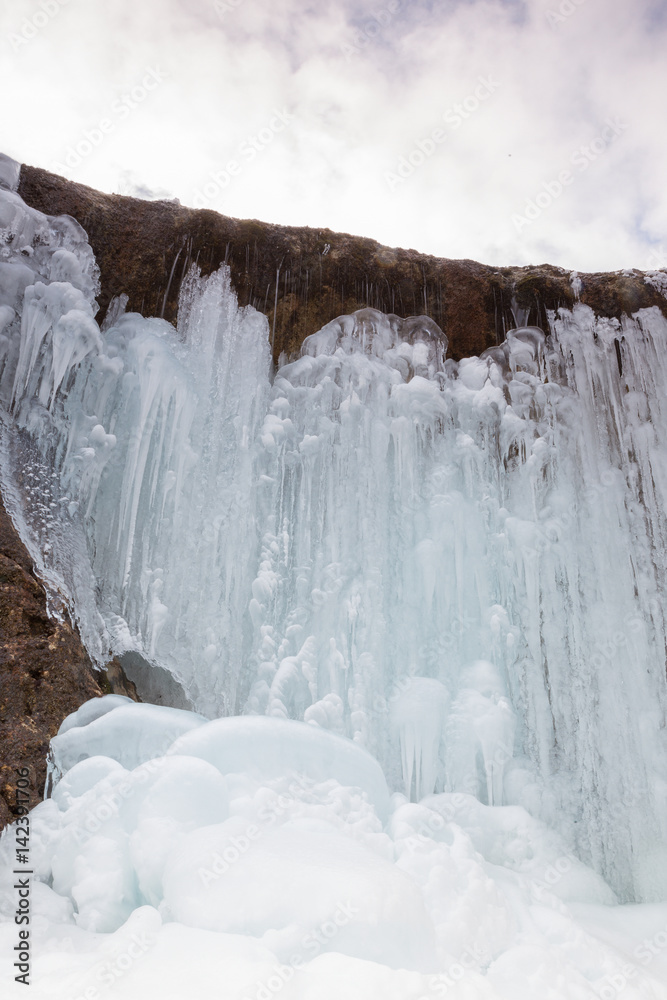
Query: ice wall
point(147, 437)
point(465, 562)
point(457, 566)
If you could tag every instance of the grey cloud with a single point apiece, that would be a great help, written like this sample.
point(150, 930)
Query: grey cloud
point(366, 83)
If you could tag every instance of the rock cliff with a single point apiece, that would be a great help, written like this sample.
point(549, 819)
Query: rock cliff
point(301, 278)
point(45, 672)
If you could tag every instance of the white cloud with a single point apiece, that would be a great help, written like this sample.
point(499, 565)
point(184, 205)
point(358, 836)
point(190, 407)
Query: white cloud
point(365, 83)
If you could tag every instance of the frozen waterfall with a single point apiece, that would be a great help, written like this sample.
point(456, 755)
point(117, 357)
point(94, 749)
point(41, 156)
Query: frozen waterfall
point(453, 569)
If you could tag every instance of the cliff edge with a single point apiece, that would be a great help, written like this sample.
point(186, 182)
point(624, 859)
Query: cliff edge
point(302, 278)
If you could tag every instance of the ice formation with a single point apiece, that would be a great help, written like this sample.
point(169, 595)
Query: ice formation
point(420, 602)
point(241, 865)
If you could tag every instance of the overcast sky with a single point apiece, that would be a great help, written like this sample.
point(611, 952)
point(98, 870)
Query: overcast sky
point(504, 131)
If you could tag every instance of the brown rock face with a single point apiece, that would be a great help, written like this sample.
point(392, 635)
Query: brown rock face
point(303, 278)
point(45, 672)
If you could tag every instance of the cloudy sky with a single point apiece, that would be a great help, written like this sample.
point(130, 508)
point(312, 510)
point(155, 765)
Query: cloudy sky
point(509, 132)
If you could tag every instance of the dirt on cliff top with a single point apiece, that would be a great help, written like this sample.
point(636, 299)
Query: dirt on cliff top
point(302, 278)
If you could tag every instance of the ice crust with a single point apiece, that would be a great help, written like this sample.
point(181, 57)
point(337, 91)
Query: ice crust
point(263, 868)
point(137, 733)
point(390, 573)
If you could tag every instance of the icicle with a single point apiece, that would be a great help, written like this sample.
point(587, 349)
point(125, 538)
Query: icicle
point(419, 714)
